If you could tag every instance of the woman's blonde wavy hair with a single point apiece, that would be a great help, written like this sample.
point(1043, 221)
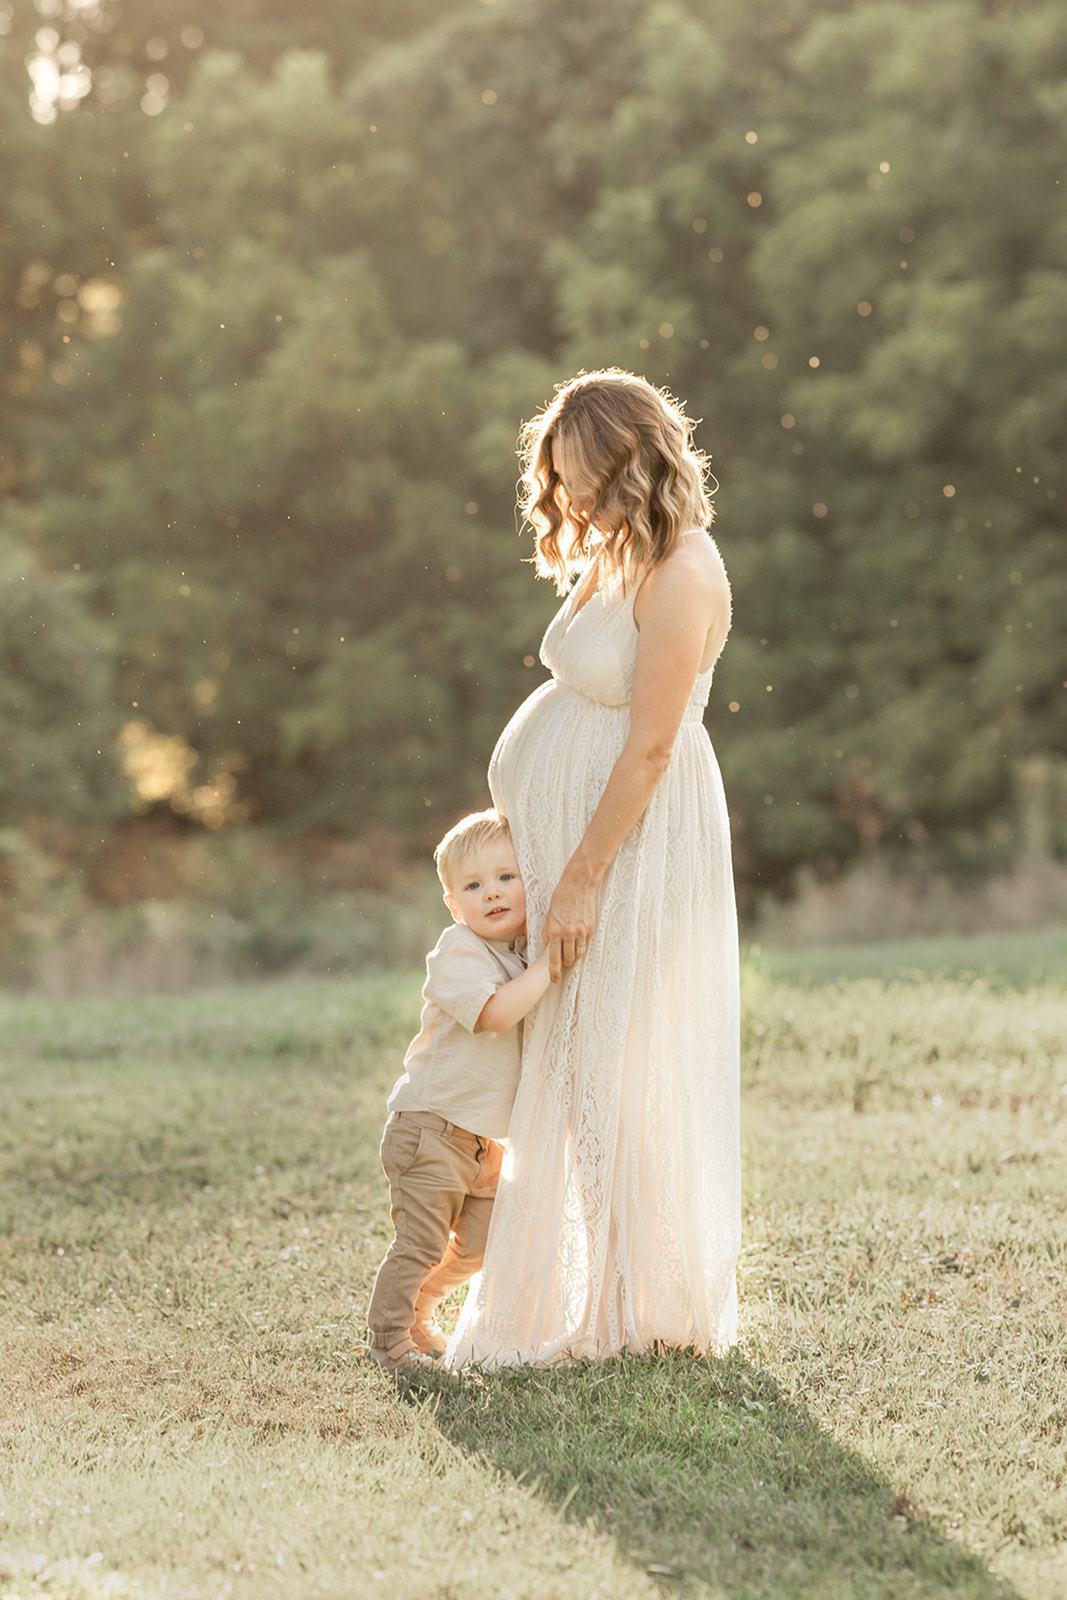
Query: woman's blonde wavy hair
point(633, 454)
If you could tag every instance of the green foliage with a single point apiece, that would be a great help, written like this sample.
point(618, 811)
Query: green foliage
point(266, 353)
point(57, 716)
point(912, 241)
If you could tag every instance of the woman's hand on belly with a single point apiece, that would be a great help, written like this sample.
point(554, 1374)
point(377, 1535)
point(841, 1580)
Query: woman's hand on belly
point(571, 921)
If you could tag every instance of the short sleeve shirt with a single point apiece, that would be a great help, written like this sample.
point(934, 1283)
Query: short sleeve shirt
point(466, 1077)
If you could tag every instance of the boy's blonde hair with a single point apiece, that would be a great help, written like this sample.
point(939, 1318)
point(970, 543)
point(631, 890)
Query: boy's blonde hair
point(461, 842)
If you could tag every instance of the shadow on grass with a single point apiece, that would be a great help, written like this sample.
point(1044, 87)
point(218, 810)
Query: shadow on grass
point(705, 1476)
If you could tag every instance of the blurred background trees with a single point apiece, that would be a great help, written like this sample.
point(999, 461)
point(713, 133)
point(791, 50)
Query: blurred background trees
point(280, 284)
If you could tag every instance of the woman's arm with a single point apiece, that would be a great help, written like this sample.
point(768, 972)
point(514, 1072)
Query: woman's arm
point(683, 610)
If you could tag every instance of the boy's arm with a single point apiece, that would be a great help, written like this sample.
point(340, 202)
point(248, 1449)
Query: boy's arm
point(511, 1002)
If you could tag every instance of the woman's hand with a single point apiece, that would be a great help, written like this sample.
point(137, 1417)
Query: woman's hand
point(571, 922)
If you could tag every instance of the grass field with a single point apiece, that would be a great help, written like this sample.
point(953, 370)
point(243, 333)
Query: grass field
point(191, 1214)
point(1002, 961)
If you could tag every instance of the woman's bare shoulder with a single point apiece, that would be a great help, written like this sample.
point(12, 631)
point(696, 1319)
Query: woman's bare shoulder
point(699, 552)
point(688, 590)
point(694, 562)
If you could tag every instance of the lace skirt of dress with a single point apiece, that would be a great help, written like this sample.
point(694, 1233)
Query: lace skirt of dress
point(617, 1225)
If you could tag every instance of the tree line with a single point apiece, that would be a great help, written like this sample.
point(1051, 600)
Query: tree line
point(279, 286)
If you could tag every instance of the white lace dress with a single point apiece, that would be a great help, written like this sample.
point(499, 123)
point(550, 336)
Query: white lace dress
point(618, 1224)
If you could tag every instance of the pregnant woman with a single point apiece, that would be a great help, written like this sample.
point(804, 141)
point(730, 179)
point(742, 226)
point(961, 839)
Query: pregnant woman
point(617, 1226)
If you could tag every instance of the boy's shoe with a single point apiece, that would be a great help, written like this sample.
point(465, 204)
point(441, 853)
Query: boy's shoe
point(405, 1353)
point(430, 1338)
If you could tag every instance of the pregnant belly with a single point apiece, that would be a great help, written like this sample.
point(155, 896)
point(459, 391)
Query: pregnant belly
point(549, 770)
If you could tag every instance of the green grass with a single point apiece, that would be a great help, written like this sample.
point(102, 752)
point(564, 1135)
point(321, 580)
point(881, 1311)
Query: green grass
point(190, 1218)
point(1004, 960)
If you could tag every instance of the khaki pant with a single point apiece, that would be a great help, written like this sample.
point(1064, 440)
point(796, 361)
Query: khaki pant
point(442, 1181)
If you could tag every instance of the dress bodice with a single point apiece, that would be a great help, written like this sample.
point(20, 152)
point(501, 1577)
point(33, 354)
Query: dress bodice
point(592, 648)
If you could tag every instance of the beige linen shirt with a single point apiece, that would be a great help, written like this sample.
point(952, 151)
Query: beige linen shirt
point(466, 1077)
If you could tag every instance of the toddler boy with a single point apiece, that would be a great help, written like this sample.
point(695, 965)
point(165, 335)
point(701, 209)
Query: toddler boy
point(451, 1105)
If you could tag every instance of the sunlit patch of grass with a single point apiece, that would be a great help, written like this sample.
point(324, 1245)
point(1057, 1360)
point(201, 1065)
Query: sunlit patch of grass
point(191, 1212)
point(190, 1215)
point(25, 1575)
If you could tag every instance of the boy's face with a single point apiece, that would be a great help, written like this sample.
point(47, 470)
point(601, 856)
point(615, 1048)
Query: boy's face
point(488, 895)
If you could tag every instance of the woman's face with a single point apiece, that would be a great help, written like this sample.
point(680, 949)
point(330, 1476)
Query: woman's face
point(580, 497)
